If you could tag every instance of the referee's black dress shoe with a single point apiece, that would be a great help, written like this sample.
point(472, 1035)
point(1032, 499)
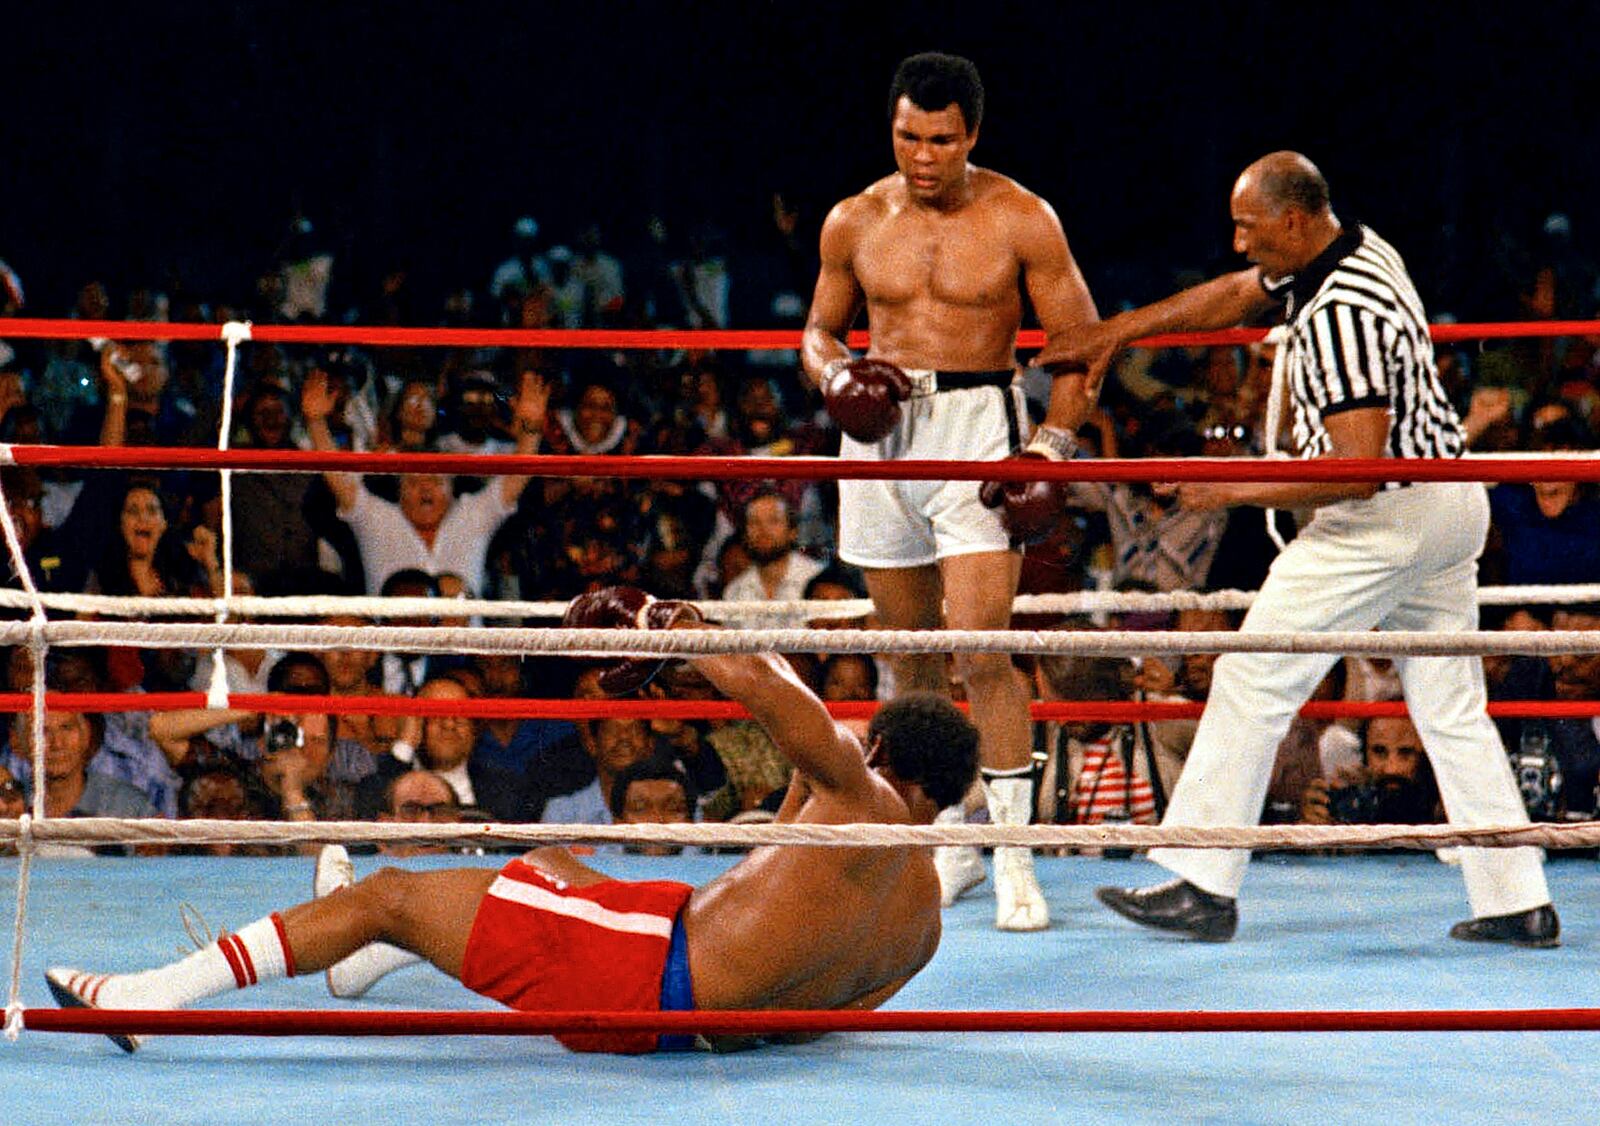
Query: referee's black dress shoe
point(1176, 905)
point(1537, 927)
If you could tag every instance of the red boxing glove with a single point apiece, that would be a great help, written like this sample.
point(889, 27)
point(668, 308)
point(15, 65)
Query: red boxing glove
point(627, 607)
point(864, 396)
point(1032, 508)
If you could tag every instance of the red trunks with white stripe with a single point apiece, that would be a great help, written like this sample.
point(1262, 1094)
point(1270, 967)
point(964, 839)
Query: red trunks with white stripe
point(540, 945)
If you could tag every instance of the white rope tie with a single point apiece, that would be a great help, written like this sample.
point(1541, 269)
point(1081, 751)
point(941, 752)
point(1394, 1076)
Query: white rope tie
point(25, 850)
point(38, 650)
point(34, 637)
point(1276, 396)
point(195, 927)
point(234, 333)
point(19, 560)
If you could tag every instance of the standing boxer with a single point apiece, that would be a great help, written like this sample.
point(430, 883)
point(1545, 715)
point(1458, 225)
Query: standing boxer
point(939, 253)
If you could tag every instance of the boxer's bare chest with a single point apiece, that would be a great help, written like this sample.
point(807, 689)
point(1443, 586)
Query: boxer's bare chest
point(962, 259)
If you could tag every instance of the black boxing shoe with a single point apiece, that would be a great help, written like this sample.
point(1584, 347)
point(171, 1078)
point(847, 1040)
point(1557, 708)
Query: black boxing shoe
point(1176, 905)
point(1538, 927)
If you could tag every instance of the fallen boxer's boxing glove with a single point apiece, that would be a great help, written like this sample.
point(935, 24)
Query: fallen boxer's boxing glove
point(627, 607)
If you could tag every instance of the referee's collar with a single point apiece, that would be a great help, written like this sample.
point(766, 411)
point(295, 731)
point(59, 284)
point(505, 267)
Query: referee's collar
point(1296, 289)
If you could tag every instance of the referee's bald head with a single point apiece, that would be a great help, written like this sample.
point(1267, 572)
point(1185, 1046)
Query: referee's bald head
point(1288, 179)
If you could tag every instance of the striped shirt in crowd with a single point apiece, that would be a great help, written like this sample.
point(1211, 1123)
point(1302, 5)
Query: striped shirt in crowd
point(1358, 337)
point(1103, 791)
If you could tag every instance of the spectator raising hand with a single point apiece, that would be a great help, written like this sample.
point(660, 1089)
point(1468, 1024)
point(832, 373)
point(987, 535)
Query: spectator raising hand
point(430, 528)
point(529, 408)
point(317, 399)
point(114, 369)
point(202, 548)
point(1489, 406)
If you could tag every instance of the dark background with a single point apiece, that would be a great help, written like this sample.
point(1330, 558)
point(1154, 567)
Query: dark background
point(169, 144)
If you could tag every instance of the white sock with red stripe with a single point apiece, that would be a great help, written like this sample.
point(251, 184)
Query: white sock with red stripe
point(258, 952)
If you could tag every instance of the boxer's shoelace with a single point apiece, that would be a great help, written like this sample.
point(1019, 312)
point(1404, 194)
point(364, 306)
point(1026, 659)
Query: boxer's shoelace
point(195, 926)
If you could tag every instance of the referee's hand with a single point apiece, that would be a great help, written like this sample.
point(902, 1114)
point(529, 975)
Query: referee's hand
point(1084, 352)
point(1202, 496)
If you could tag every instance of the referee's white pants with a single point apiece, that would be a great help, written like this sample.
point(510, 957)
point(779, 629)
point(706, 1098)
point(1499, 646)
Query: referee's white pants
point(1405, 559)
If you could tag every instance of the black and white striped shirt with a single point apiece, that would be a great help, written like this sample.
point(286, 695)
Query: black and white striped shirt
point(1358, 337)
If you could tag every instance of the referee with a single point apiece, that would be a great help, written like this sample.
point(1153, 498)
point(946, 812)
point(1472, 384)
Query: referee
point(1361, 382)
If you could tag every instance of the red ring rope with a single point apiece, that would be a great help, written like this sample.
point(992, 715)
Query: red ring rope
point(329, 1022)
point(710, 339)
point(1574, 468)
point(1083, 711)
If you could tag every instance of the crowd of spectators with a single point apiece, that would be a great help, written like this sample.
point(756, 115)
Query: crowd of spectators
point(427, 535)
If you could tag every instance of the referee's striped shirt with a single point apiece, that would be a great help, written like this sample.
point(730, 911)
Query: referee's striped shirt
point(1357, 337)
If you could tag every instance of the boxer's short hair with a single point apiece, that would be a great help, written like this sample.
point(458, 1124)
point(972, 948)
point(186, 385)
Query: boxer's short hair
point(933, 80)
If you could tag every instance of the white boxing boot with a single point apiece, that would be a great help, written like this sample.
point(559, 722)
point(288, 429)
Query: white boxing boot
point(1019, 902)
point(257, 952)
point(358, 973)
point(75, 989)
point(960, 867)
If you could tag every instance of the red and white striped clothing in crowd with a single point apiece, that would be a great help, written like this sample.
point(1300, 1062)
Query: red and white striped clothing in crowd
point(1102, 789)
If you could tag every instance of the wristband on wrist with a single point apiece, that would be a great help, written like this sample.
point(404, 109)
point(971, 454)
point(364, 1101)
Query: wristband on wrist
point(298, 807)
point(1053, 443)
point(403, 750)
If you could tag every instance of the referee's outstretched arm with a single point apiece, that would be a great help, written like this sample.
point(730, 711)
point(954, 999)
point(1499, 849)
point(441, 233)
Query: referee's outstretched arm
point(1222, 302)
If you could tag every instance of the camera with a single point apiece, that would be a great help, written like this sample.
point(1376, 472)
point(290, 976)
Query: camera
point(1117, 817)
point(1538, 774)
point(282, 735)
point(1354, 805)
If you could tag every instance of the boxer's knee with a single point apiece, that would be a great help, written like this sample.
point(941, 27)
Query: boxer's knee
point(919, 672)
point(986, 672)
point(385, 897)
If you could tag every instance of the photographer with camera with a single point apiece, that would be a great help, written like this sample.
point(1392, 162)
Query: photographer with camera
point(308, 772)
point(1555, 760)
point(313, 774)
point(1391, 783)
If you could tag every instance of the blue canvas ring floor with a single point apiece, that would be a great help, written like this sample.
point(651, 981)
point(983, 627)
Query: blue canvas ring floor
point(1364, 932)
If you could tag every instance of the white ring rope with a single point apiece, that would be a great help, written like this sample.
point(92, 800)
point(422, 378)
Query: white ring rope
point(681, 643)
point(1076, 602)
point(114, 830)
